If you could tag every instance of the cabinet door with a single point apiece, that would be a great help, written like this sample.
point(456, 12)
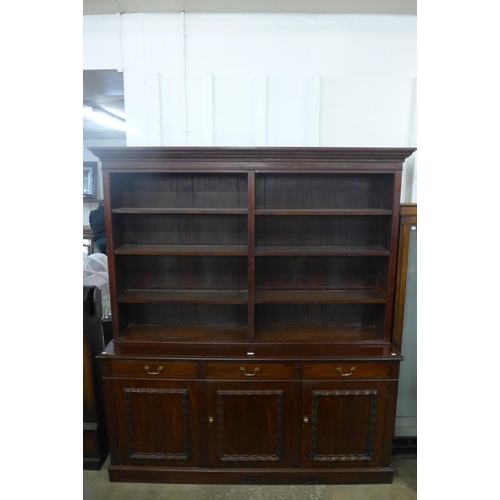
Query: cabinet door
point(343, 424)
point(158, 422)
point(249, 424)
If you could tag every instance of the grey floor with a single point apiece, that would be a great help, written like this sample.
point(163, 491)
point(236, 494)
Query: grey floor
point(404, 487)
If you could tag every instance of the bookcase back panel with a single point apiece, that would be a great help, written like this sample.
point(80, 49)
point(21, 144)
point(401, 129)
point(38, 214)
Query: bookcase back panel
point(179, 315)
point(154, 229)
point(319, 315)
point(180, 190)
point(318, 273)
point(323, 231)
point(317, 191)
point(184, 272)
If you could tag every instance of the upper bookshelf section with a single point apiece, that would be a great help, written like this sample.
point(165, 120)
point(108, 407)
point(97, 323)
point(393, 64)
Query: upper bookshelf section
point(243, 245)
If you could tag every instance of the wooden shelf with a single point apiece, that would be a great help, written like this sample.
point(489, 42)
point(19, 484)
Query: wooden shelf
point(184, 296)
point(242, 250)
point(261, 297)
point(324, 211)
point(321, 251)
point(320, 297)
point(234, 250)
point(184, 333)
point(243, 211)
point(180, 211)
point(317, 334)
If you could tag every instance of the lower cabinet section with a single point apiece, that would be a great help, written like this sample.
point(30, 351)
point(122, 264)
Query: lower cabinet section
point(250, 431)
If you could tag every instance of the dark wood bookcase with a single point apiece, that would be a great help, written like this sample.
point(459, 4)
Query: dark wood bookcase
point(252, 294)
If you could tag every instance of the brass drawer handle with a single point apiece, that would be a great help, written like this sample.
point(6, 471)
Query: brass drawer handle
point(353, 369)
point(160, 368)
point(256, 369)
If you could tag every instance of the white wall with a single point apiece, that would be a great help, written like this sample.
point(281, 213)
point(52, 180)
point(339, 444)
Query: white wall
point(263, 79)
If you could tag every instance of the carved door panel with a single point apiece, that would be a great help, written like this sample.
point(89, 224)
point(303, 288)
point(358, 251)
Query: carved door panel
point(158, 422)
point(343, 424)
point(249, 424)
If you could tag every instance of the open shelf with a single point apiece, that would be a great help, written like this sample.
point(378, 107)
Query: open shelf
point(303, 250)
point(186, 311)
point(184, 296)
point(235, 250)
point(324, 194)
point(182, 273)
point(180, 211)
point(170, 232)
point(324, 211)
point(320, 297)
point(140, 333)
point(178, 192)
point(331, 319)
point(323, 276)
point(335, 233)
point(317, 334)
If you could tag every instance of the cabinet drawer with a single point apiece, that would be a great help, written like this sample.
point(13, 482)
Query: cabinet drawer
point(249, 371)
point(153, 369)
point(346, 371)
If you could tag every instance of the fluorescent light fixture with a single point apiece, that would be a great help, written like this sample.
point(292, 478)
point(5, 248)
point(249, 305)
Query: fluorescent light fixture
point(104, 118)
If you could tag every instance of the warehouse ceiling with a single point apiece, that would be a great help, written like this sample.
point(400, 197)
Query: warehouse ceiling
point(103, 91)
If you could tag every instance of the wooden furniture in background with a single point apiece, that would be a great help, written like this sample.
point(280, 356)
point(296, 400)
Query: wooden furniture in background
point(252, 292)
point(407, 224)
point(405, 332)
point(95, 439)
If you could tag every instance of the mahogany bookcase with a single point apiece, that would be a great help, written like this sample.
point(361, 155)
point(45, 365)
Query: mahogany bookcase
point(252, 296)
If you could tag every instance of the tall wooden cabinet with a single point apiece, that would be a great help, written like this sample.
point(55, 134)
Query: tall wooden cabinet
point(252, 294)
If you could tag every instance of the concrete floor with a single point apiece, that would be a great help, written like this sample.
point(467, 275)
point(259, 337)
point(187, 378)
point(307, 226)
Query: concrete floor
point(97, 487)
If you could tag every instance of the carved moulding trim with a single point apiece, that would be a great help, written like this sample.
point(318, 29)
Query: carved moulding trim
point(368, 455)
point(127, 392)
point(279, 427)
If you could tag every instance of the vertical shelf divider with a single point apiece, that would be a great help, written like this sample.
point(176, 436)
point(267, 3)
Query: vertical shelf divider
point(251, 256)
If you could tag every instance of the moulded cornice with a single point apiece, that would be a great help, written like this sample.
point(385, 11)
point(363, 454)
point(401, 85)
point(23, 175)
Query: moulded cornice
point(260, 154)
